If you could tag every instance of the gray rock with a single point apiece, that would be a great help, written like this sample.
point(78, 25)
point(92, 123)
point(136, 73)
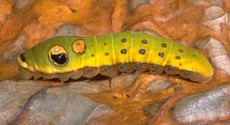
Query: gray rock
point(60, 106)
point(14, 96)
point(214, 16)
point(136, 3)
point(158, 85)
point(205, 107)
point(68, 30)
point(207, 2)
point(16, 49)
point(212, 13)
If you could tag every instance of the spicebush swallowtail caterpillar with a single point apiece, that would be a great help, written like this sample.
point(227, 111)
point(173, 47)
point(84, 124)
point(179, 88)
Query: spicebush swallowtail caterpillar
point(73, 57)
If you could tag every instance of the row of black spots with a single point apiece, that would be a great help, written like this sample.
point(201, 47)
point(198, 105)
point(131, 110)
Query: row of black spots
point(162, 54)
point(173, 71)
point(141, 51)
point(158, 69)
point(144, 41)
point(154, 69)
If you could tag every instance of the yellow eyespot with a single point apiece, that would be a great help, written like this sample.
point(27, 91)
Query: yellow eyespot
point(58, 55)
point(79, 46)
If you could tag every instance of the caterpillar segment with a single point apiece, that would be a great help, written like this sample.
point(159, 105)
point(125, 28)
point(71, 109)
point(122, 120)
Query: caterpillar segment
point(75, 57)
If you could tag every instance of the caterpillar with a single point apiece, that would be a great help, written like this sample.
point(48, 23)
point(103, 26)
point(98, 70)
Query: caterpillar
point(73, 57)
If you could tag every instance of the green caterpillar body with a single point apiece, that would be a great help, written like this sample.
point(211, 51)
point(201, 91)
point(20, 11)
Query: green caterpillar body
point(73, 57)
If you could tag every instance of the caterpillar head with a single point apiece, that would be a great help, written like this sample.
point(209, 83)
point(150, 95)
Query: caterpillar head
point(50, 57)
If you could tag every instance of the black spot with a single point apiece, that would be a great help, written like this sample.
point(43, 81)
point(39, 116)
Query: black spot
point(88, 69)
point(107, 54)
point(194, 55)
point(164, 45)
point(180, 64)
point(138, 65)
point(124, 51)
point(92, 55)
point(123, 66)
point(177, 57)
point(144, 41)
point(155, 66)
point(161, 54)
point(171, 68)
point(142, 51)
point(187, 72)
point(105, 44)
point(107, 68)
point(181, 50)
point(123, 40)
point(23, 58)
point(59, 58)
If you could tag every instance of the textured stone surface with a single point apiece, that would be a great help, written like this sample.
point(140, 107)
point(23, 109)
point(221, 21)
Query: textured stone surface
point(68, 30)
point(158, 85)
point(207, 2)
point(205, 107)
point(214, 16)
point(217, 53)
point(60, 106)
point(14, 97)
point(16, 48)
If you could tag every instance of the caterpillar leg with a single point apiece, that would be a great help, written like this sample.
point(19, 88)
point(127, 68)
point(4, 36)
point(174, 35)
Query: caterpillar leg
point(63, 76)
point(110, 71)
point(171, 70)
point(77, 74)
point(90, 72)
point(156, 69)
point(141, 67)
point(127, 67)
point(194, 76)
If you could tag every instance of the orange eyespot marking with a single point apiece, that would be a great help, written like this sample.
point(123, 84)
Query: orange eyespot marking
point(79, 46)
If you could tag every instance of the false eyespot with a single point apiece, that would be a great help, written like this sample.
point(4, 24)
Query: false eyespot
point(58, 55)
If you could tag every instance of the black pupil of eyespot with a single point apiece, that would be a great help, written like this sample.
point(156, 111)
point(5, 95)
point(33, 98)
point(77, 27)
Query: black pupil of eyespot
point(59, 58)
point(22, 57)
